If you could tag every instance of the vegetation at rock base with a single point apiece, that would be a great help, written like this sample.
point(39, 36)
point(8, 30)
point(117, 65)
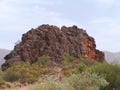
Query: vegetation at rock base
point(83, 81)
point(111, 74)
point(10, 75)
point(42, 60)
point(71, 74)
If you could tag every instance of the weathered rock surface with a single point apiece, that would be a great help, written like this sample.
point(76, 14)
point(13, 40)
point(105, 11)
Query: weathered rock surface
point(54, 42)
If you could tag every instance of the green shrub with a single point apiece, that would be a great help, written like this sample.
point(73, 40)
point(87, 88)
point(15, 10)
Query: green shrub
point(86, 62)
point(67, 59)
point(2, 82)
point(81, 67)
point(111, 73)
point(28, 73)
point(84, 81)
point(42, 60)
point(50, 84)
point(10, 75)
point(24, 72)
point(76, 69)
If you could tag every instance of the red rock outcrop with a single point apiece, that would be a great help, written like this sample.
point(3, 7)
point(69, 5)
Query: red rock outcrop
point(54, 42)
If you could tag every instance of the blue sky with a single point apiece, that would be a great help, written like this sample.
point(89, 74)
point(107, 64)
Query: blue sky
point(100, 18)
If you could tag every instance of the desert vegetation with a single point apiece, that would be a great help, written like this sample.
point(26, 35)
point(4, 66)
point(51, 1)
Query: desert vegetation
point(71, 74)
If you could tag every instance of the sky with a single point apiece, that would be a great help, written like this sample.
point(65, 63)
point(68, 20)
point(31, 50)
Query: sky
point(100, 18)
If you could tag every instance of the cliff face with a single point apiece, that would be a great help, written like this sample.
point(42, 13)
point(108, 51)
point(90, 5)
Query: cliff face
point(54, 42)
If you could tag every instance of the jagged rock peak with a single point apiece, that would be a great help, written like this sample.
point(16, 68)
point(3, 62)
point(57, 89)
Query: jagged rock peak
point(54, 42)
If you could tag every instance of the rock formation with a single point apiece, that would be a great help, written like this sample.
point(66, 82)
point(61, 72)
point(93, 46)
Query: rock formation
point(54, 42)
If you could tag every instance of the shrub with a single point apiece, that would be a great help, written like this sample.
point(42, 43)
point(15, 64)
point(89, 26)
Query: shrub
point(10, 75)
point(50, 84)
point(81, 67)
point(84, 81)
point(24, 72)
point(67, 59)
point(2, 82)
point(111, 73)
point(28, 73)
point(42, 60)
point(86, 62)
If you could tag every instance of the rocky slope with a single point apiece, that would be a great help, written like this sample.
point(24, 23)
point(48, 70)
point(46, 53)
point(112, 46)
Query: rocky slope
point(3, 53)
point(113, 58)
point(54, 42)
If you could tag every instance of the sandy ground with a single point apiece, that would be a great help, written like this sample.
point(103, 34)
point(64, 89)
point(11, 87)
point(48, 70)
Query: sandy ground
point(22, 88)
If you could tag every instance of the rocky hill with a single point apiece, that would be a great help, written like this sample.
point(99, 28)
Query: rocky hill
point(54, 42)
point(3, 53)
